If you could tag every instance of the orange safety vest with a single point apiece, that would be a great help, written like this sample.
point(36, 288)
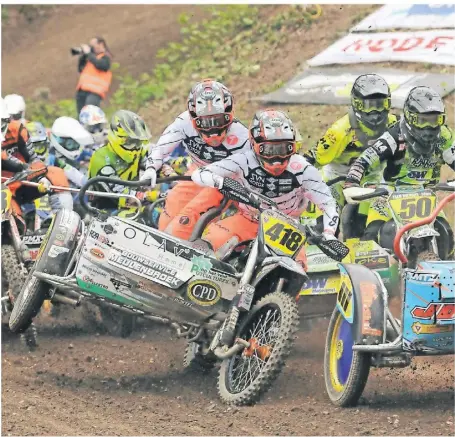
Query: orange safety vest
point(94, 80)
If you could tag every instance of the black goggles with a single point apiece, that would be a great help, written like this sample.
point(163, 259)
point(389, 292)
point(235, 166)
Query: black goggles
point(270, 150)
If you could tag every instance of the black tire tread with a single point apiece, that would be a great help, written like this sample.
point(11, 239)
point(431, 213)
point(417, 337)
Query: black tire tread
point(15, 273)
point(25, 310)
point(193, 361)
point(116, 322)
point(281, 350)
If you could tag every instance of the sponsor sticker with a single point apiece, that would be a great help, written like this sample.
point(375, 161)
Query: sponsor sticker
point(145, 267)
point(200, 264)
point(422, 276)
point(442, 311)
point(97, 253)
point(33, 239)
point(205, 293)
point(55, 251)
point(420, 328)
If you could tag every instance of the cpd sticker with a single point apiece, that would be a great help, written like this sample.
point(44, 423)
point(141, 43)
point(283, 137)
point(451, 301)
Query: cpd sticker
point(204, 292)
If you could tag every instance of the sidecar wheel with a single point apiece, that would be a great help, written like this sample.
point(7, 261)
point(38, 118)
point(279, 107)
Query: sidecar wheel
point(270, 328)
point(193, 360)
point(116, 322)
point(345, 371)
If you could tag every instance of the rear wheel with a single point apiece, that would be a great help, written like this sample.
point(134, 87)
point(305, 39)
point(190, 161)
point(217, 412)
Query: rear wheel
point(345, 371)
point(269, 327)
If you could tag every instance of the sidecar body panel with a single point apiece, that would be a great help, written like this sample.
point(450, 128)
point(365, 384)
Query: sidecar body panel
point(147, 270)
point(361, 300)
point(429, 310)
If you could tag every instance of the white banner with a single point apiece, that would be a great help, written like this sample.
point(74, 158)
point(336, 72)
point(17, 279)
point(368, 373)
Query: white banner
point(432, 46)
point(409, 17)
point(332, 85)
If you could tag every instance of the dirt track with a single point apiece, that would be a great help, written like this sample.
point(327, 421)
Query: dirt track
point(81, 383)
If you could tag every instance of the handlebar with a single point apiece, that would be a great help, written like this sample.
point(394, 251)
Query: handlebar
point(335, 180)
point(26, 175)
point(377, 193)
point(412, 225)
point(335, 249)
point(118, 181)
point(384, 192)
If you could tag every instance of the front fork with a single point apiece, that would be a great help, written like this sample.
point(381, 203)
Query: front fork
point(241, 302)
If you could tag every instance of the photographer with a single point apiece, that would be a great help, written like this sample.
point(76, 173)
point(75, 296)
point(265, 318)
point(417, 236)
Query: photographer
point(96, 77)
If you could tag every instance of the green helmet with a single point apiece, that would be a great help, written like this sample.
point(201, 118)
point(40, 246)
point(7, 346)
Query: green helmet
point(127, 135)
point(38, 138)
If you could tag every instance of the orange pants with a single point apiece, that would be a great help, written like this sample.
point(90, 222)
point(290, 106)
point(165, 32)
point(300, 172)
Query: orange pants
point(237, 226)
point(185, 203)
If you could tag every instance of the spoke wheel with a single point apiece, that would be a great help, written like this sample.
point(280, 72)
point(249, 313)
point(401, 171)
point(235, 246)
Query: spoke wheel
point(270, 328)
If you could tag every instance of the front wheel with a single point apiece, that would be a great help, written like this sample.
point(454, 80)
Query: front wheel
point(345, 371)
point(270, 328)
point(28, 303)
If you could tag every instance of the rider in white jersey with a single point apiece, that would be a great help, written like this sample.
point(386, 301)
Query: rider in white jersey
point(210, 133)
point(271, 168)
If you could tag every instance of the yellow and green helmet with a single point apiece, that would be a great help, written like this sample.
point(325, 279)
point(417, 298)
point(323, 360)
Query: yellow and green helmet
point(127, 135)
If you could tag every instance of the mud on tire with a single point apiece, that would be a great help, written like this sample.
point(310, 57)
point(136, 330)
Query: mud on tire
point(281, 332)
point(53, 258)
point(14, 272)
point(193, 360)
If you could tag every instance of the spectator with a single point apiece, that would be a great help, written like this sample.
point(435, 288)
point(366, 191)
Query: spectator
point(95, 77)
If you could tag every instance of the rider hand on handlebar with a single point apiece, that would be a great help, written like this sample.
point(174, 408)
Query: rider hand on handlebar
point(150, 174)
point(44, 186)
point(329, 234)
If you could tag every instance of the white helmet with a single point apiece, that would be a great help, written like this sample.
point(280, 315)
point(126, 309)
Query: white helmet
point(16, 106)
point(5, 117)
point(69, 138)
point(94, 120)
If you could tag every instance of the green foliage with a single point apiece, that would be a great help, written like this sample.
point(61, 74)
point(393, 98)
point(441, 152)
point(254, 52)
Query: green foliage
point(234, 41)
point(41, 109)
point(5, 14)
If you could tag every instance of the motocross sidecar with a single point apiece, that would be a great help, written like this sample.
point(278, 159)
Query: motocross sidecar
point(363, 333)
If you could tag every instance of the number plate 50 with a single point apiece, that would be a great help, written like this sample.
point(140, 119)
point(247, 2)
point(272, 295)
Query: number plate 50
point(410, 209)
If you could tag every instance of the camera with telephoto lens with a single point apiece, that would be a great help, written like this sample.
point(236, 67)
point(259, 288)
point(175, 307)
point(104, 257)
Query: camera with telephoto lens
point(76, 51)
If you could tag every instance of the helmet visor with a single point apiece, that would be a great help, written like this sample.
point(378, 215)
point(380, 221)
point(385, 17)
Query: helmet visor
point(370, 105)
point(209, 122)
point(68, 143)
point(96, 128)
point(270, 150)
point(133, 143)
point(17, 116)
point(5, 122)
point(40, 147)
point(422, 121)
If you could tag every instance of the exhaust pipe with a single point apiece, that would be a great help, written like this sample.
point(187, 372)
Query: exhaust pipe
point(238, 346)
point(66, 300)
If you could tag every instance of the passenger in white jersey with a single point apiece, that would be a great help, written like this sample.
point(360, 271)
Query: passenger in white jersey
point(210, 133)
point(272, 168)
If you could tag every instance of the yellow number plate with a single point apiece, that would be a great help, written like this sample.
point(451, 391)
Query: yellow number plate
point(42, 203)
point(6, 199)
point(281, 236)
point(410, 208)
